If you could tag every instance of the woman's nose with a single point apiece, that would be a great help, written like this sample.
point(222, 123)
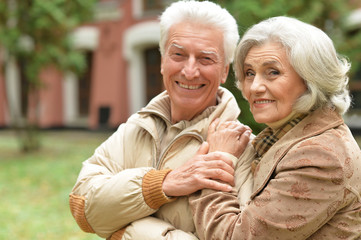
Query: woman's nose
point(258, 85)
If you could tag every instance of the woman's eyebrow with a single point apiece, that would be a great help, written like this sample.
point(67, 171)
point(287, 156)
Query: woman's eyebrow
point(272, 62)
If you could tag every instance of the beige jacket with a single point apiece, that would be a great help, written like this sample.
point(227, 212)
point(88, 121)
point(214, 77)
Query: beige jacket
point(307, 186)
point(116, 186)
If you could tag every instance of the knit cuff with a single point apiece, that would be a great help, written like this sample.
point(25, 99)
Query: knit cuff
point(153, 193)
point(117, 235)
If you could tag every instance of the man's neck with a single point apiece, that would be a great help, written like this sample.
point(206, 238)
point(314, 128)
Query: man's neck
point(186, 114)
point(177, 116)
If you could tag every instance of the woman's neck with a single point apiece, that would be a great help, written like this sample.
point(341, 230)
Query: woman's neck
point(283, 121)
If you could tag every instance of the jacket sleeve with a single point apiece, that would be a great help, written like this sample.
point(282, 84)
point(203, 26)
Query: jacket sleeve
point(106, 196)
point(302, 196)
point(243, 175)
point(151, 228)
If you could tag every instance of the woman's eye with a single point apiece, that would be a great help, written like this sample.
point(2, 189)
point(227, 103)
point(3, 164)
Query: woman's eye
point(249, 74)
point(274, 72)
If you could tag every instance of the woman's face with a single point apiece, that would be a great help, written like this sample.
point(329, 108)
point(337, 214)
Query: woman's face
point(271, 85)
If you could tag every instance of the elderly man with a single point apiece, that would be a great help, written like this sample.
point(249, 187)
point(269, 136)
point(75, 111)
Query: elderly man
point(138, 180)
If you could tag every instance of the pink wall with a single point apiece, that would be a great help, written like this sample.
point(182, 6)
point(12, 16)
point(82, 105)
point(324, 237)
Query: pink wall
point(109, 76)
point(51, 99)
point(108, 80)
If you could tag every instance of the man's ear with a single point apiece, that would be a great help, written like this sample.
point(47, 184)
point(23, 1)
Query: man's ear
point(161, 65)
point(225, 74)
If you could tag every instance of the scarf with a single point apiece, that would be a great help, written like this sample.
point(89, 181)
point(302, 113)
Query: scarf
point(268, 137)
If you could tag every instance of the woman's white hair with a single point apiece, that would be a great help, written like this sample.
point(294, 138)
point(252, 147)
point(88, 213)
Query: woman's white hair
point(205, 12)
point(313, 56)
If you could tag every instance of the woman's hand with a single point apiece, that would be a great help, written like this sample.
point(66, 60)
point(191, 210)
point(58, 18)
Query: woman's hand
point(230, 136)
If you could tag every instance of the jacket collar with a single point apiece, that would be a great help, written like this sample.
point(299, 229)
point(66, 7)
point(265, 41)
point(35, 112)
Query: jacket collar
point(315, 123)
point(227, 109)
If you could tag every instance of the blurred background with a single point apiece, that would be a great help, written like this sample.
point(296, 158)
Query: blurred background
point(71, 71)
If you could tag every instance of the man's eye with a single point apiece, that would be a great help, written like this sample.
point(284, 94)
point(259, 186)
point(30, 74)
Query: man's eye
point(176, 56)
point(207, 60)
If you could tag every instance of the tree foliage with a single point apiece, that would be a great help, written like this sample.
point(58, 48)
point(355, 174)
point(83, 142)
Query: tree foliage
point(36, 34)
point(330, 16)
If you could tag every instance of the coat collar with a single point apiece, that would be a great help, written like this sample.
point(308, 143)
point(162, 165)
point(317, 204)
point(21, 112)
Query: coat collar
point(227, 110)
point(315, 123)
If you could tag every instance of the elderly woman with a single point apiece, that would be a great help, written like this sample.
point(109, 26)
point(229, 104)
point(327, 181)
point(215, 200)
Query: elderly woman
point(307, 172)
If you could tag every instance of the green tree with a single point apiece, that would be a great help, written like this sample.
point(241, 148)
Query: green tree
point(36, 35)
point(330, 16)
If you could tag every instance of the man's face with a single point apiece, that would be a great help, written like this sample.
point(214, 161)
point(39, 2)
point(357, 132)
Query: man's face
point(193, 67)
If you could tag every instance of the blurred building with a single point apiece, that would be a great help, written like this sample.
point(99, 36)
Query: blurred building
point(121, 47)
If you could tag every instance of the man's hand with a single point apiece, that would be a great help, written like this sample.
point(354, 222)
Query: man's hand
point(212, 170)
point(231, 137)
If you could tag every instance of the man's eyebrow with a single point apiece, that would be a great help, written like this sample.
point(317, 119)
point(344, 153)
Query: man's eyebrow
point(209, 52)
point(176, 45)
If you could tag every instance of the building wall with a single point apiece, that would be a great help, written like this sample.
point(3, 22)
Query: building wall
point(50, 99)
point(118, 70)
point(117, 39)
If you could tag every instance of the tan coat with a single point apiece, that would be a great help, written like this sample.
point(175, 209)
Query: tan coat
point(307, 186)
point(108, 193)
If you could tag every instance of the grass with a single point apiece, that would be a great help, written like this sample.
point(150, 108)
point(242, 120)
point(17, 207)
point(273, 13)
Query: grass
point(34, 188)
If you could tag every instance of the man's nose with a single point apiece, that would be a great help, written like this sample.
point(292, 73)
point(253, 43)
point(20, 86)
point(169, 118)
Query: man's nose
point(190, 69)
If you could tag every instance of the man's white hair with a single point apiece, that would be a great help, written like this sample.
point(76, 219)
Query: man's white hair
point(205, 12)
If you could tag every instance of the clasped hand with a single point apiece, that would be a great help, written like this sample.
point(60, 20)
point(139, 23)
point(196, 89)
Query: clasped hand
point(210, 167)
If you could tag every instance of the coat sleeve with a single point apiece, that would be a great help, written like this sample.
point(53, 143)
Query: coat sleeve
point(151, 228)
point(106, 196)
point(305, 191)
point(161, 230)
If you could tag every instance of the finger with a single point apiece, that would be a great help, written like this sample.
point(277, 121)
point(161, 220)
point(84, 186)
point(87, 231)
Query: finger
point(216, 156)
point(216, 174)
point(224, 125)
point(219, 165)
point(231, 125)
point(203, 149)
point(244, 138)
point(235, 124)
point(240, 129)
point(212, 128)
point(216, 185)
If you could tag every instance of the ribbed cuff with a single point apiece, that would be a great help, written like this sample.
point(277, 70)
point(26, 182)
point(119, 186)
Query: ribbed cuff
point(152, 188)
point(117, 235)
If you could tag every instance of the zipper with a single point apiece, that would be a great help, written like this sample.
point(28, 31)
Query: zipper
point(155, 144)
